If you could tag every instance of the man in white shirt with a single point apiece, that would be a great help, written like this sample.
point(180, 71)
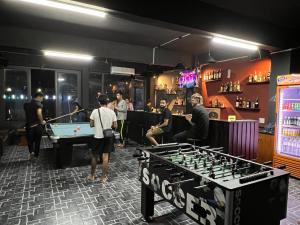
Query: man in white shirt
point(101, 146)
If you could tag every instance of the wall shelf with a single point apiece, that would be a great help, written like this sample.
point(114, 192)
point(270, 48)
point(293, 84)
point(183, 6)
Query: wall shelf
point(215, 80)
point(247, 109)
point(217, 107)
point(230, 92)
point(260, 82)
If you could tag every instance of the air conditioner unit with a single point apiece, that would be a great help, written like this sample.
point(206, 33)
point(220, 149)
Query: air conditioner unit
point(122, 70)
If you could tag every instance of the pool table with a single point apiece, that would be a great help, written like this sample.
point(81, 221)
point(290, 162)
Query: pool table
point(64, 135)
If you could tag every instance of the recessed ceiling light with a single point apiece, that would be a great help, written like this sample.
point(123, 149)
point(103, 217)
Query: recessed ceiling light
point(70, 6)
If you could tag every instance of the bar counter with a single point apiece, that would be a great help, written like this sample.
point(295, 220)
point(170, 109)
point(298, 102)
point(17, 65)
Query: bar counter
point(239, 138)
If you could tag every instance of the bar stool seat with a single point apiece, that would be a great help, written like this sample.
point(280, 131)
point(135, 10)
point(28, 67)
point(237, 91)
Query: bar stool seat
point(196, 141)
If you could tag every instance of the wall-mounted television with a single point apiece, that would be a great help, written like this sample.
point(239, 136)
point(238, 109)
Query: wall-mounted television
point(188, 79)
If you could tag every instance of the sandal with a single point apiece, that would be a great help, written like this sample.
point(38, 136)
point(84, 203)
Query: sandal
point(104, 179)
point(91, 178)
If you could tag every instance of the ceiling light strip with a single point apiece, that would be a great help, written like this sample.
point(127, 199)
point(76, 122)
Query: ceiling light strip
point(67, 7)
point(234, 43)
point(67, 55)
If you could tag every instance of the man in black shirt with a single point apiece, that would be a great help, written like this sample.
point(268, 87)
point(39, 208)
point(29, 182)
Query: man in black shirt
point(34, 124)
point(165, 123)
point(199, 121)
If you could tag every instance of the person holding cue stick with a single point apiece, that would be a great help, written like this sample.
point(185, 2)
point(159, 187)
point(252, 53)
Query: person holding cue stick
point(34, 124)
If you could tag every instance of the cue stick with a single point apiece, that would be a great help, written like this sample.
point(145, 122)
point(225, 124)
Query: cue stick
point(59, 117)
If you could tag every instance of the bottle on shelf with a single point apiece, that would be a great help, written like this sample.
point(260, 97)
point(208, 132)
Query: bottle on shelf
point(259, 77)
point(230, 87)
point(238, 86)
point(237, 102)
point(234, 86)
point(248, 104)
point(219, 74)
point(268, 75)
point(244, 103)
point(250, 78)
point(255, 77)
point(222, 88)
point(256, 103)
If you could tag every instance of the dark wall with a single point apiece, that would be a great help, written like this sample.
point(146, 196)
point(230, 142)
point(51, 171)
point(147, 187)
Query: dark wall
point(281, 64)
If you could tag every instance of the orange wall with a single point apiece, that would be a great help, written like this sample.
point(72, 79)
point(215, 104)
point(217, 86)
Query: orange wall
point(240, 70)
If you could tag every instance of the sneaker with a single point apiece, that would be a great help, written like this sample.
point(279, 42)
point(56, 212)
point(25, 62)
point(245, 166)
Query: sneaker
point(31, 156)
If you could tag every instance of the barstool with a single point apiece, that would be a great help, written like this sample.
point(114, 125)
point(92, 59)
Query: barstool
point(195, 140)
point(166, 137)
point(141, 126)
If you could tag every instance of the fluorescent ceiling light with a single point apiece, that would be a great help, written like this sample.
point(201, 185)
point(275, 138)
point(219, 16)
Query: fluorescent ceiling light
point(61, 79)
point(68, 55)
point(236, 43)
point(68, 7)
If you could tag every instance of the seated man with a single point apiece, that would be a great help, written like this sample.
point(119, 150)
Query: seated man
point(165, 124)
point(199, 121)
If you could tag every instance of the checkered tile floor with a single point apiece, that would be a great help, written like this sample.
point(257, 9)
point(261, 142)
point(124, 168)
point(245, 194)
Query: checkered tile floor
point(35, 193)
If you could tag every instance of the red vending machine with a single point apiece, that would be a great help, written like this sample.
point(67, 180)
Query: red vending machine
point(287, 131)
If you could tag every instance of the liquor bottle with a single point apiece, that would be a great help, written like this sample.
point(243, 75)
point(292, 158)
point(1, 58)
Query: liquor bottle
point(238, 86)
point(250, 78)
point(234, 86)
point(230, 87)
point(221, 88)
point(255, 77)
point(248, 104)
point(219, 74)
point(237, 102)
point(257, 103)
point(268, 75)
point(259, 77)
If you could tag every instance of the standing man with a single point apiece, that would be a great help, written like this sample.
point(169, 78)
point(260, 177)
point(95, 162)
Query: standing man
point(165, 123)
point(78, 116)
point(199, 121)
point(121, 109)
point(34, 124)
point(101, 118)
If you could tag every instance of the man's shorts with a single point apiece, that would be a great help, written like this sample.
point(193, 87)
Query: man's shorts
point(101, 145)
point(156, 131)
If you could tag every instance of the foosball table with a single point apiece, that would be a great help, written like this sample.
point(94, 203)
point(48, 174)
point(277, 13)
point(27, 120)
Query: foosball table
point(211, 187)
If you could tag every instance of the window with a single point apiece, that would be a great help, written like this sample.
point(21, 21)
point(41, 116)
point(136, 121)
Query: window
point(114, 83)
point(44, 81)
point(68, 91)
point(95, 86)
point(15, 94)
